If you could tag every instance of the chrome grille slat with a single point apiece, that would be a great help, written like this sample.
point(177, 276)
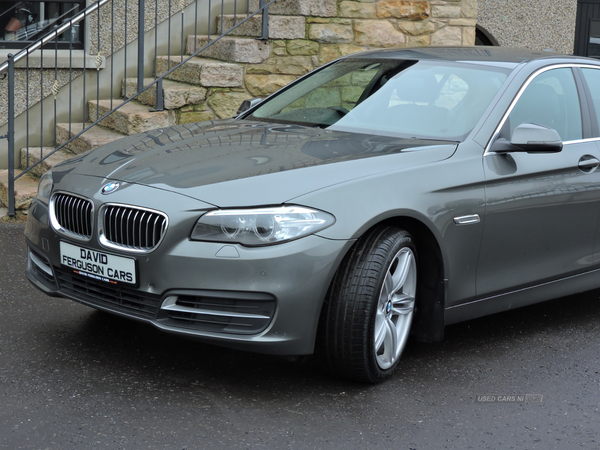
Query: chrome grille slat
point(122, 238)
point(131, 227)
point(78, 217)
point(128, 227)
point(82, 206)
point(147, 225)
point(86, 217)
point(154, 228)
point(72, 224)
point(113, 225)
point(72, 215)
point(134, 228)
point(60, 208)
point(68, 222)
point(63, 209)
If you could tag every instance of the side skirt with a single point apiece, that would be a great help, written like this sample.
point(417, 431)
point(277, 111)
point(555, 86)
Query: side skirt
point(523, 297)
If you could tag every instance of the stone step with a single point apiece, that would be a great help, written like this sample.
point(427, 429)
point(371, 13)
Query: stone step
point(280, 27)
point(34, 156)
point(319, 8)
point(175, 94)
point(202, 71)
point(131, 118)
point(232, 49)
point(92, 138)
point(25, 189)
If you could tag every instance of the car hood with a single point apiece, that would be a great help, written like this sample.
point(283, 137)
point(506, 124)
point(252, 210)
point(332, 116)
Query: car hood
point(237, 163)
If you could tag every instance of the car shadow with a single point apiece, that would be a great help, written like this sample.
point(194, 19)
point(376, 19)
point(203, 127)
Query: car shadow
point(124, 345)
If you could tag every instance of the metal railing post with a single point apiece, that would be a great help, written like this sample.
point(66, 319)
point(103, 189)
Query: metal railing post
point(141, 29)
point(265, 20)
point(11, 135)
point(159, 95)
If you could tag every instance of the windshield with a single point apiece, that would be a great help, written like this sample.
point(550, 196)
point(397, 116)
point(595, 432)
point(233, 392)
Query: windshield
point(405, 98)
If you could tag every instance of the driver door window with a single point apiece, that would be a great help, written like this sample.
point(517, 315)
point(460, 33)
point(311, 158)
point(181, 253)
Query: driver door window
point(550, 100)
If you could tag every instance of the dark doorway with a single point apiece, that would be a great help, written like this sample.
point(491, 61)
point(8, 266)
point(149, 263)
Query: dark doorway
point(484, 37)
point(587, 29)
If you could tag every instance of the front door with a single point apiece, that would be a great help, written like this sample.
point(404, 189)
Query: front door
point(541, 209)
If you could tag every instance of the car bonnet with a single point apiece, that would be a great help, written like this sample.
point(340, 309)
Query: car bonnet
point(232, 163)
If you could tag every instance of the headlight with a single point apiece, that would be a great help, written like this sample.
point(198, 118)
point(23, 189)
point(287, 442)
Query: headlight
point(45, 187)
point(260, 226)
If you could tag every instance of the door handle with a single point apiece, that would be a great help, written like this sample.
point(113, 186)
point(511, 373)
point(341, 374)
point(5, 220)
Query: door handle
point(588, 163)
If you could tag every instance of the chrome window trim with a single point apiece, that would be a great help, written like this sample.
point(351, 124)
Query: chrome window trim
point(580, 141)
point(520, 93)
point(104, 242)
point(56, 226)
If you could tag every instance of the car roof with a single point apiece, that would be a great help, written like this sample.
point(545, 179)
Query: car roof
point(476, 53)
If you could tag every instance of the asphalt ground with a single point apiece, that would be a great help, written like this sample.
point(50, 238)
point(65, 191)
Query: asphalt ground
point(75, 378)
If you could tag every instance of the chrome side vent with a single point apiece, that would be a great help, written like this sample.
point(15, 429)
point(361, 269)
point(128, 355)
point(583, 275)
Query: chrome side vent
point(71, 215)
point(131, 227)
point(218, 312)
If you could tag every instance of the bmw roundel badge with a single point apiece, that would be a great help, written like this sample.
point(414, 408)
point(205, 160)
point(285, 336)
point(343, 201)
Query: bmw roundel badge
point(109, 188)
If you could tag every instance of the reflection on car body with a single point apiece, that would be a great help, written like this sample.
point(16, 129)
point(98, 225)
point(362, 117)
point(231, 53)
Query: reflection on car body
point(387, 193)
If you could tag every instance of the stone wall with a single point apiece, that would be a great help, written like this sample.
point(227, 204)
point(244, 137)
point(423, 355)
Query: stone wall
point(539, 24)
point(305, 34)
point(337, 28)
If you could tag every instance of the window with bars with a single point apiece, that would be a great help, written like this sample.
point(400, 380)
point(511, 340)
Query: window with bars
point(26, 21)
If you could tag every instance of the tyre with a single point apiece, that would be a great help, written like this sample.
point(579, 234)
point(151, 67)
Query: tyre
point(370, 306)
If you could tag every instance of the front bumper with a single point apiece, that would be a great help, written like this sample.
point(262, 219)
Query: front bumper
point(265, 299)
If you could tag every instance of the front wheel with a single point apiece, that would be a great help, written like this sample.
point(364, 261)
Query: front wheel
point(370, 306)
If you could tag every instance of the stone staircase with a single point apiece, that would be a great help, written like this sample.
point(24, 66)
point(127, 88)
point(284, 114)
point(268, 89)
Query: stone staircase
point(234, 68)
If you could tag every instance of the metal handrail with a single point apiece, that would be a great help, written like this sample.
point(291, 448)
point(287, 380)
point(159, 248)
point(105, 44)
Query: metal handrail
point(8, 68)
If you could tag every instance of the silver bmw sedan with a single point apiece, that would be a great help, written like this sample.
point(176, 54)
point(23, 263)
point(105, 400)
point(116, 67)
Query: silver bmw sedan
point(379, 198)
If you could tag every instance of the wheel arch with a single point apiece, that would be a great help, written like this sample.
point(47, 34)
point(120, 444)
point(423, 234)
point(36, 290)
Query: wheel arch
point(428, 322)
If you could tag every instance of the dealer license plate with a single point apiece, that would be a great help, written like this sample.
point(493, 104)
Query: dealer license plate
point(98, 265)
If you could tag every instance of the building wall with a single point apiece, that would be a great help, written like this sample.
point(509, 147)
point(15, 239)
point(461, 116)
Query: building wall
point(535, 24)
point(306, 34)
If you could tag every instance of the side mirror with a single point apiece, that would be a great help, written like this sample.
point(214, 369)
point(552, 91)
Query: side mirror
point(530, 138)
point(248, 104)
